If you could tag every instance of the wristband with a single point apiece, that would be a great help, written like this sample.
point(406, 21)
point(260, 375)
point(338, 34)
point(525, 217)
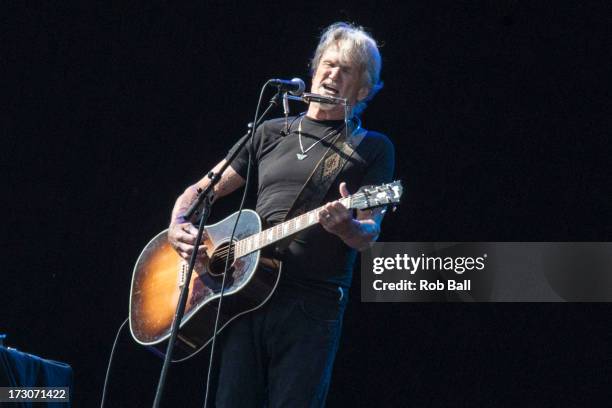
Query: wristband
point(181, 219)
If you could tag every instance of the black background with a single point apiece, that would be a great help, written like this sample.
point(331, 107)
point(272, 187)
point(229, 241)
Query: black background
point(500, 112)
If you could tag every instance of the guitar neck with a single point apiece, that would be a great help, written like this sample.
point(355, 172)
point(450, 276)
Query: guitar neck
point(283, 230)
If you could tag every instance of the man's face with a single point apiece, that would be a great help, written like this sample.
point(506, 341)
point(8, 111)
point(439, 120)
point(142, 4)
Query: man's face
point(337, 78)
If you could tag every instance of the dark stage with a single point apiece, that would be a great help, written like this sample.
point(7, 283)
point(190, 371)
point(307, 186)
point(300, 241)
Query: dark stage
point(500, 113)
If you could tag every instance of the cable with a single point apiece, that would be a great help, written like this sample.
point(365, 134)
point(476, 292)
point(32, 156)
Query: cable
point(229, 254)
point(110, 362)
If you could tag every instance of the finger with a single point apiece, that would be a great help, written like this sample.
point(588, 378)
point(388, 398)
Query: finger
point(324, 216)
point(344, 192)
point(183, 237)
point(336, 209)
point(192, 230)
point(186, 248)
point(331, 214)
point(325, 221)
point(189, 238)
point(188, 228)
point(338, 206)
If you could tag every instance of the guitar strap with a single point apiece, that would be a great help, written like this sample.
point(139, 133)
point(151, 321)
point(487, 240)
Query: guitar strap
point(322, 177)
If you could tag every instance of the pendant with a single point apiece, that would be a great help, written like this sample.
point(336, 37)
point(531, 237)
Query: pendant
point(301, 156)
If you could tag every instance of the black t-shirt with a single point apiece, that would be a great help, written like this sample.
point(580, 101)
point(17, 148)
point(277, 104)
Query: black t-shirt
point(314, 256)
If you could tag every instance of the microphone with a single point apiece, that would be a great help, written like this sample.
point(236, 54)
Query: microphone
point(295, 87)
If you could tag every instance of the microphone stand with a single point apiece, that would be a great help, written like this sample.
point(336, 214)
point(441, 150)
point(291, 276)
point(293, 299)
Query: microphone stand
point(201, 208)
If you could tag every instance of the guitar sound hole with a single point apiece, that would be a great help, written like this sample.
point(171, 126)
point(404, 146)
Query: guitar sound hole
point(216, 265)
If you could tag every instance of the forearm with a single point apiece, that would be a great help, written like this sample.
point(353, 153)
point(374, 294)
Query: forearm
point(182, 204)
point(229, 182)
point(360, 233)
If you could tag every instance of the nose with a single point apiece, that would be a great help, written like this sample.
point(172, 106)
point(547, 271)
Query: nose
point(333, 73)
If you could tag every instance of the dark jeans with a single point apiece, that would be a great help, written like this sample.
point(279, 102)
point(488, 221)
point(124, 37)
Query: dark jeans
point(282, 354)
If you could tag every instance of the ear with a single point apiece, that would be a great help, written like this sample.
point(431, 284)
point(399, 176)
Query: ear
point(362, 93)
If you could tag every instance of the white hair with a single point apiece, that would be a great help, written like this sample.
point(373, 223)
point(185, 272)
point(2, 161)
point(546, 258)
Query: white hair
point(357, 46)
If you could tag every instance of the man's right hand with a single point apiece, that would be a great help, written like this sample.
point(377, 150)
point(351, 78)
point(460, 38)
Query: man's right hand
point(182, 237)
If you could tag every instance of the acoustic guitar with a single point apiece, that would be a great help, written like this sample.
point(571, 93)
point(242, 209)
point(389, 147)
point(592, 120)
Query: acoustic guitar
point(160, 273)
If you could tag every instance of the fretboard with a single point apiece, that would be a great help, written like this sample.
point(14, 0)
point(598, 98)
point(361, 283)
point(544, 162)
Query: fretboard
point(281, 231)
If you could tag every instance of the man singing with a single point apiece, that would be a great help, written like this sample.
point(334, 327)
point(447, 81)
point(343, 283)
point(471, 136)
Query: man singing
point(282, 353)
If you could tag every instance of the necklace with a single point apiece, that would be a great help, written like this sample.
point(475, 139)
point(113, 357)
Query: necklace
point(303, 155)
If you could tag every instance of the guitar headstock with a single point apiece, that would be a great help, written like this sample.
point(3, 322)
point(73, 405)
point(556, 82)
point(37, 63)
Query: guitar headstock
point(377, 196)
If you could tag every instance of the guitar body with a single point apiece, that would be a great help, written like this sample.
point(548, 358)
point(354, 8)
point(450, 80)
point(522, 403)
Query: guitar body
point(159, 274)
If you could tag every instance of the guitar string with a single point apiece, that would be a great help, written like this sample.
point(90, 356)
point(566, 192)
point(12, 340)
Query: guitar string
point(232, 248)
point(225, 250)
point(356, 198)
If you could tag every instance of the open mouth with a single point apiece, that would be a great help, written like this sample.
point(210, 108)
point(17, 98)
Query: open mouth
point(329, 89)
